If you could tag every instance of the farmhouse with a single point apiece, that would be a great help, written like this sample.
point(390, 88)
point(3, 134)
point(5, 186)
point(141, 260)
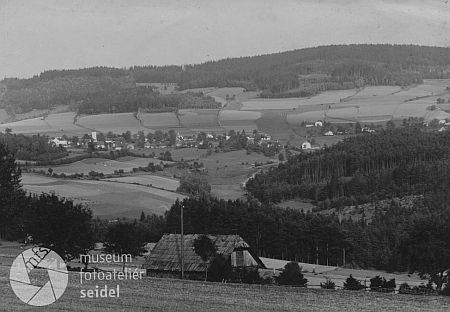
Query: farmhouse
point(329, 133)
point(165, 258)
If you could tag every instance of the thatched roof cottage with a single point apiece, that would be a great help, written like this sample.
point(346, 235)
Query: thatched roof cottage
point(165, 258)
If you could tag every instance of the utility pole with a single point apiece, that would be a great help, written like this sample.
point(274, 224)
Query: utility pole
point(317, 253)
point(343, 256)
point(182, 243)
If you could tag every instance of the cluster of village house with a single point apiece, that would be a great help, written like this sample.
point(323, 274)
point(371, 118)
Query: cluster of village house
point(209, 140)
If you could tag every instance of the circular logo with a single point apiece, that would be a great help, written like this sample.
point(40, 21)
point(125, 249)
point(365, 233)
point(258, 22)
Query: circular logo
point(38, 276)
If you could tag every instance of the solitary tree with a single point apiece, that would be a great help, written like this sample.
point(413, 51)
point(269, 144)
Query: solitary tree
point(124, 238)
point(205, 248)
point(353, 284)
point(10, 192)
point(292, 275)
point(60, 225)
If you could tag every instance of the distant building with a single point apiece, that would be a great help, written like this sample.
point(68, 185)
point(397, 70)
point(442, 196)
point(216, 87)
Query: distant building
point(130, 146)
point(147, 145)
point(94, 136)
point(306, 145)
point(59, 142)
point(100, 145)
point(329, 133)
point(368, 130)
point(318, 123)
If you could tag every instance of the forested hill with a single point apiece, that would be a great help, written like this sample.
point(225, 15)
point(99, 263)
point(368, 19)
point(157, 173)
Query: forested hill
point(306, 71)
point(360, 169)
point(295, 73)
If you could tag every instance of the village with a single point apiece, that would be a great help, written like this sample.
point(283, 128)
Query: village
point(97, 141)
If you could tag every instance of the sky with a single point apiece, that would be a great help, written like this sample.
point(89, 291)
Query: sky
point(37, 35)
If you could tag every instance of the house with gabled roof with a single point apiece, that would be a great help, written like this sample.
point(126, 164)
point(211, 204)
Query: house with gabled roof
point(165, 258)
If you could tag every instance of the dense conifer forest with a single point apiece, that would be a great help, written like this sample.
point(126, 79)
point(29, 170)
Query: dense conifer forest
point(390, 163)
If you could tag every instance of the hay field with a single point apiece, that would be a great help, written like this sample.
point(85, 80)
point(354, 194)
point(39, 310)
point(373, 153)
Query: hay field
point(154, 294)
point(107, 166)
point(159, 120)
point(116, 123)
point(106, 199)
point(149, 180)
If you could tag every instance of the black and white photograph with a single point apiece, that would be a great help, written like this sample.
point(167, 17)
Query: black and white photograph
point(224, 155)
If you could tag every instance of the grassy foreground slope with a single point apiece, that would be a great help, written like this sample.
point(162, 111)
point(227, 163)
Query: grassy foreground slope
point(151, 294)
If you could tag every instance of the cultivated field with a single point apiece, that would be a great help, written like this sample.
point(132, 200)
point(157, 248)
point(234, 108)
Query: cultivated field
point(159, 120)
point(64, 122)
point(380, 104)
point(153, 294)
point(106, 199)
point(239, 120)
point(116, 123)
point(107, 166)
point(199, 119)
point(327, 97)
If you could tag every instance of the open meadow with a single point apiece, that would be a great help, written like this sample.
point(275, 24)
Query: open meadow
point(107, 199)
point(106, 166)
point(154, 294)
point(3, 115)
point(149, 180)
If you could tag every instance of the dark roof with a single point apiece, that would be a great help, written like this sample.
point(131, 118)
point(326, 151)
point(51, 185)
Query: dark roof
point(166, 255)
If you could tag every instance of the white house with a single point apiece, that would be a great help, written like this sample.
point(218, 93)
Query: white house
point(306, 145)
point(329, 133)
point(59, 142)
point(318, 123)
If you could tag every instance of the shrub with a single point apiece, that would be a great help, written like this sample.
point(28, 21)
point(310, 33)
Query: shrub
point(446, 290)
point(379, 283)
point(353, 284)
point(220, 269)
point(292, 275)
point(329, 284)
point(251, 276)
point(404, 288)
